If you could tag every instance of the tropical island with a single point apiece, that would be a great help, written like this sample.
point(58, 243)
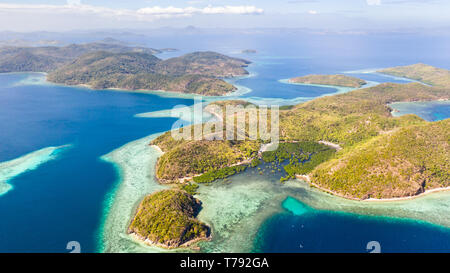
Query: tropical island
point(116, 66)
point(167, 219)
point(249, 51)
point(335, 80)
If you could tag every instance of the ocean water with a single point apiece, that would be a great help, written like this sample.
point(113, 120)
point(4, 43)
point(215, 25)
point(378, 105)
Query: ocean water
point(296, 231)
point(85, 192)
point(257, 213)
point(62, 200)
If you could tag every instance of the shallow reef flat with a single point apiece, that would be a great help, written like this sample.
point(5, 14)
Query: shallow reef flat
point(135, 164)
point(28, 162)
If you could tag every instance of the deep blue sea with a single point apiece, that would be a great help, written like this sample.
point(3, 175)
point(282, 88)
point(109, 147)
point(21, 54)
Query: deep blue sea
point(61, 200)
point(301, 229)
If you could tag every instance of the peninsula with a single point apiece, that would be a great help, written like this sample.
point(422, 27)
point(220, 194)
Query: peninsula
point(421, 72)
point(381, 157)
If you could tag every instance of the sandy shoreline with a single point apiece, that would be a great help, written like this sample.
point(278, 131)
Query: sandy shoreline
point(428, 192)
point(186, 245)
point(307, 179)
point(158, 149)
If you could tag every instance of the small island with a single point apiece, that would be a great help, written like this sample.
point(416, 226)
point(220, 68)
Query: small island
point(249, 51)
point(336, 80)
point(167, 219)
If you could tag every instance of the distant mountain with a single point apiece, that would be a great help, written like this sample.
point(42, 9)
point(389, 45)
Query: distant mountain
point(110, 40)
point(49, 58)
point(24, 60)
point(24, 43)
point(197, 73)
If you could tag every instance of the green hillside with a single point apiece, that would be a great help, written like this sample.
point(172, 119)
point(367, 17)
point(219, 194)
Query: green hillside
point(421, 72)
point(190, 158)
point(142, 71)
point(405, 162)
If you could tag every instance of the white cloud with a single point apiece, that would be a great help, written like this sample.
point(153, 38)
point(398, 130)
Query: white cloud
point(373, 2)
point(232, 10)
point(313, 12)
point(144, 14)
point(242, 10)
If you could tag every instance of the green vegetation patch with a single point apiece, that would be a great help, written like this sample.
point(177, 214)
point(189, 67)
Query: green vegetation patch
point(220, 174)
point(303, 157)
point(299, 151)
point(255, 163)
point(295, 167)
point(190, 188)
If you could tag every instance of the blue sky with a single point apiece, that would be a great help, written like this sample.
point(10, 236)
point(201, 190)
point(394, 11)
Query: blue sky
point(63, 15)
